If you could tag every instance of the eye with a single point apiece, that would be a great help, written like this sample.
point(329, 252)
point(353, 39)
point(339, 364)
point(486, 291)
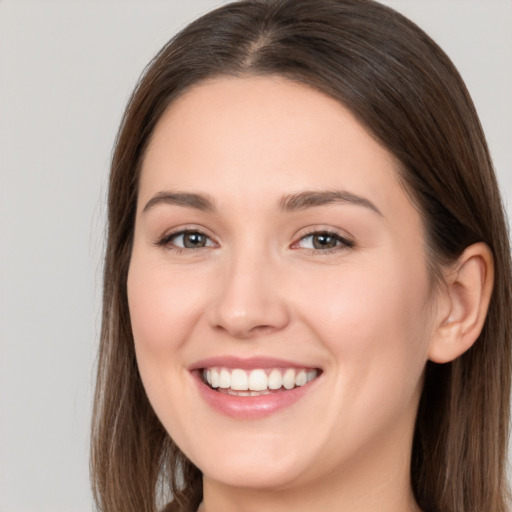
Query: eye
point(187, 239)
point(324, 241)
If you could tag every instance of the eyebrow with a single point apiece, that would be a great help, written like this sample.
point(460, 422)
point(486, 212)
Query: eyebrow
point(201, 202)
point(308, 199)
point(289, 203)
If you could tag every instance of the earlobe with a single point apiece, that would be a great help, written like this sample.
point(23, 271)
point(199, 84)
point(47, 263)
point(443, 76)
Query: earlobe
point(464, 303)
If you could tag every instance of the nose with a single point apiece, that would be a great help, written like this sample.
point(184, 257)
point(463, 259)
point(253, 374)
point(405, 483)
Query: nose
point(251, 299)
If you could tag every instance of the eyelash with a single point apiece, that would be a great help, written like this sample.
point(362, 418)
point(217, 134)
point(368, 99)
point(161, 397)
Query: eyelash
point(166, 240)
point(342, 243)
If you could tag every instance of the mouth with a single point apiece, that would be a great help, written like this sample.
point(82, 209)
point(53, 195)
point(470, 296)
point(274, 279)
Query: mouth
point(253, 388)
point(258, 381)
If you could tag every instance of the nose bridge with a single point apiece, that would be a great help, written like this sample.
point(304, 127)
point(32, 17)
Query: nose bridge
point(250, 298)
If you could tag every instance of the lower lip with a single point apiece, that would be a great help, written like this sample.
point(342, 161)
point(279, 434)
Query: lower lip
point(251, 407)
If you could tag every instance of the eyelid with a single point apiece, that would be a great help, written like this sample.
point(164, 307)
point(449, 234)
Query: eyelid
point(347, 241)
point(165, 239)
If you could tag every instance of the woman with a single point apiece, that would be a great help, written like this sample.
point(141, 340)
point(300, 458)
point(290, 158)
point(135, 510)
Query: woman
point(307, 277)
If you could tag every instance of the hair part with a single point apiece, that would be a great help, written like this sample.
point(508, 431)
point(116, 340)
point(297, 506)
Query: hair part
point(402, 87)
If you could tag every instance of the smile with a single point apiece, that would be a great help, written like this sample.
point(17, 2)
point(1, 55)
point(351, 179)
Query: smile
point(256, 382)
point(253, 388)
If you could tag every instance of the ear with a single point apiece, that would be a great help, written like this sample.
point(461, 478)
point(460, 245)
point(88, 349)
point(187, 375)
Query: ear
point(463, 302)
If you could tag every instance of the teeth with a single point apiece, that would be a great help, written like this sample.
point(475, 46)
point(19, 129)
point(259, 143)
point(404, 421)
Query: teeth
point(214, 377)
point(239, 381)
point(301, 378)
point(275, 380)
point(256, 382)
point(289, 379)
point(224, 379)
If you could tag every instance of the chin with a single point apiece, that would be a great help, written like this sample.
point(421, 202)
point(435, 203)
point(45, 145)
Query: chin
point(255, 468)
point(251, 475)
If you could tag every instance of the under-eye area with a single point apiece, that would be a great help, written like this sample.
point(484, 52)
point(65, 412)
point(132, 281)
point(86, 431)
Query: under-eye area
point(257, 382)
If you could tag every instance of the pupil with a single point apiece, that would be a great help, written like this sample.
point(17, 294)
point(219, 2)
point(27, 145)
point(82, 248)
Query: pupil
point(324, 241)
point(194, 240)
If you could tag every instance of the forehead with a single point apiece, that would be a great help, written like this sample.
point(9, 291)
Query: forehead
point(264, 136)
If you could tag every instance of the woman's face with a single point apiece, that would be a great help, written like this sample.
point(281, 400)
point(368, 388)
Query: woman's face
point(275, 248)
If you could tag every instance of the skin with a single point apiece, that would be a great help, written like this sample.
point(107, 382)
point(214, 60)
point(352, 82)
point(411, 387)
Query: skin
point(365, 313)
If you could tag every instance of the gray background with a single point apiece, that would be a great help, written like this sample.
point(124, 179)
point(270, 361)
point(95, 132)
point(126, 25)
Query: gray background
point(66, 71)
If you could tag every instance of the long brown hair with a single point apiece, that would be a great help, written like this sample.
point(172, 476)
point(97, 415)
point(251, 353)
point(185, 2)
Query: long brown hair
point(408, 94)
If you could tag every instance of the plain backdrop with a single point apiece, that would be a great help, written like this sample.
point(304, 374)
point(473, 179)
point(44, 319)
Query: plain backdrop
point(66, 71)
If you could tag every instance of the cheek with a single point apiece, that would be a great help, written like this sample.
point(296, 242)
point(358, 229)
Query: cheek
point(163, 306)
point(163, 312)
point(374, 326)
point(353, 301)
point(375, 321)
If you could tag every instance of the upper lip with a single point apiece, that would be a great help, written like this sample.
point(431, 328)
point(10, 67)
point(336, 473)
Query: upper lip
point(251, 363)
